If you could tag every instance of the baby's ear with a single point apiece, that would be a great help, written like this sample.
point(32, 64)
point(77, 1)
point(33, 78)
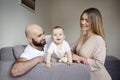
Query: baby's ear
point(64, 36)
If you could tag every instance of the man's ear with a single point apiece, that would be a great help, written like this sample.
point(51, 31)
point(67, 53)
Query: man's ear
point(29, 39)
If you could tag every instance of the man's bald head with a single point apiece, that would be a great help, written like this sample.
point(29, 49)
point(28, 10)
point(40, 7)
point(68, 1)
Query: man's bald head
point(35, 35)
point(32, 29)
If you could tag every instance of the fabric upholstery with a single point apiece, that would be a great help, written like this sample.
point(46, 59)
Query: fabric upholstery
point(18, 50)
point(6, 54)
point(112, 64)
point(58, 71)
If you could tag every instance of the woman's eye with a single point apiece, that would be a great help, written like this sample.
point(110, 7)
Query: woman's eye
point(87, 20)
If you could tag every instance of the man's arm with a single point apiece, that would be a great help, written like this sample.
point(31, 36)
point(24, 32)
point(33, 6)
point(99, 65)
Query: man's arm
point(23, 65)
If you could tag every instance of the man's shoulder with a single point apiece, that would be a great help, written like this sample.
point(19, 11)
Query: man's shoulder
point(28, 47)
point(48, 39)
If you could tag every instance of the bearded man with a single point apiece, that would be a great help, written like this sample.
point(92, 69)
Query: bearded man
point(34, 52)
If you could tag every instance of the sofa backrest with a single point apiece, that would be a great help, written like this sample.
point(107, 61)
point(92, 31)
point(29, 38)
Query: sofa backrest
point(14, 52)
point(18, 50)
point(11, 53)
point(6, 54)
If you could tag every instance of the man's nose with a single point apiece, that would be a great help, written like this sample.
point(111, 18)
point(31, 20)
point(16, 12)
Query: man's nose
point(43, 36)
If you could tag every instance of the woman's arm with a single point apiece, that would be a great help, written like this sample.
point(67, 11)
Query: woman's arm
point(98, 58)
point(74, 46)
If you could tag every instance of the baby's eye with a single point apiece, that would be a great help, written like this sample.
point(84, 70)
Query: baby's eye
point(60, 34)
point(55, 35)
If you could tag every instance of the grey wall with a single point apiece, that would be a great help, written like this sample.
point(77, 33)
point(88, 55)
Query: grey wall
point(67, 13)
point(14, 18)
point(48, 13)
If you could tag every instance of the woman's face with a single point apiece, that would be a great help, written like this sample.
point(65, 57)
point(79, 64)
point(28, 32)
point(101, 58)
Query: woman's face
point(85, 23)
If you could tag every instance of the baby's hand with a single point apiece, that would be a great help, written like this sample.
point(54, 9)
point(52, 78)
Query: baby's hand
point(69, 63)
point(48, 65)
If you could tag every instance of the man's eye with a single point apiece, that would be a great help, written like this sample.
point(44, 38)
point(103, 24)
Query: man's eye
point(40, 35)
point(43, 32)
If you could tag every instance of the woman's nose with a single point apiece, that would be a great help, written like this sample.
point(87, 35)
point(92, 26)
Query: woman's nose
point(83, 22)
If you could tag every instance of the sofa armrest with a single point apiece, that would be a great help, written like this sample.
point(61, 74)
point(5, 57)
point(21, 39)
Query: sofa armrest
point(5, 67)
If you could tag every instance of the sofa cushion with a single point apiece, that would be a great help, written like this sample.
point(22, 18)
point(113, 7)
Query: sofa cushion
point(18, 50)
point(112, 64)
point(6, 54)
point(5, 71)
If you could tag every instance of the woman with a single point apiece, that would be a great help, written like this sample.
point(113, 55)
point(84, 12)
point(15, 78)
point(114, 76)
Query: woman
point(90, 48)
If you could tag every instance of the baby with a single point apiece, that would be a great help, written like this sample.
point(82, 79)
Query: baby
point(59, 49)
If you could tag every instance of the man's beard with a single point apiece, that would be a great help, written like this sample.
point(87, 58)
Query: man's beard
point(38, 44)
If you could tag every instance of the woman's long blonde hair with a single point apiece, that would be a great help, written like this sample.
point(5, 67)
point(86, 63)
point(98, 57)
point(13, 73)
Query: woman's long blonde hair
point(95, 19)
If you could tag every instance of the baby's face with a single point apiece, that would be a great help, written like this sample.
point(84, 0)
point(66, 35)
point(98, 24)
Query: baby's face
point(58, 35)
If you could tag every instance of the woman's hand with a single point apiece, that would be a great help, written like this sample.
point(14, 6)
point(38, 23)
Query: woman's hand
point(80, 59)
point(83, 60)
point(76, 58)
